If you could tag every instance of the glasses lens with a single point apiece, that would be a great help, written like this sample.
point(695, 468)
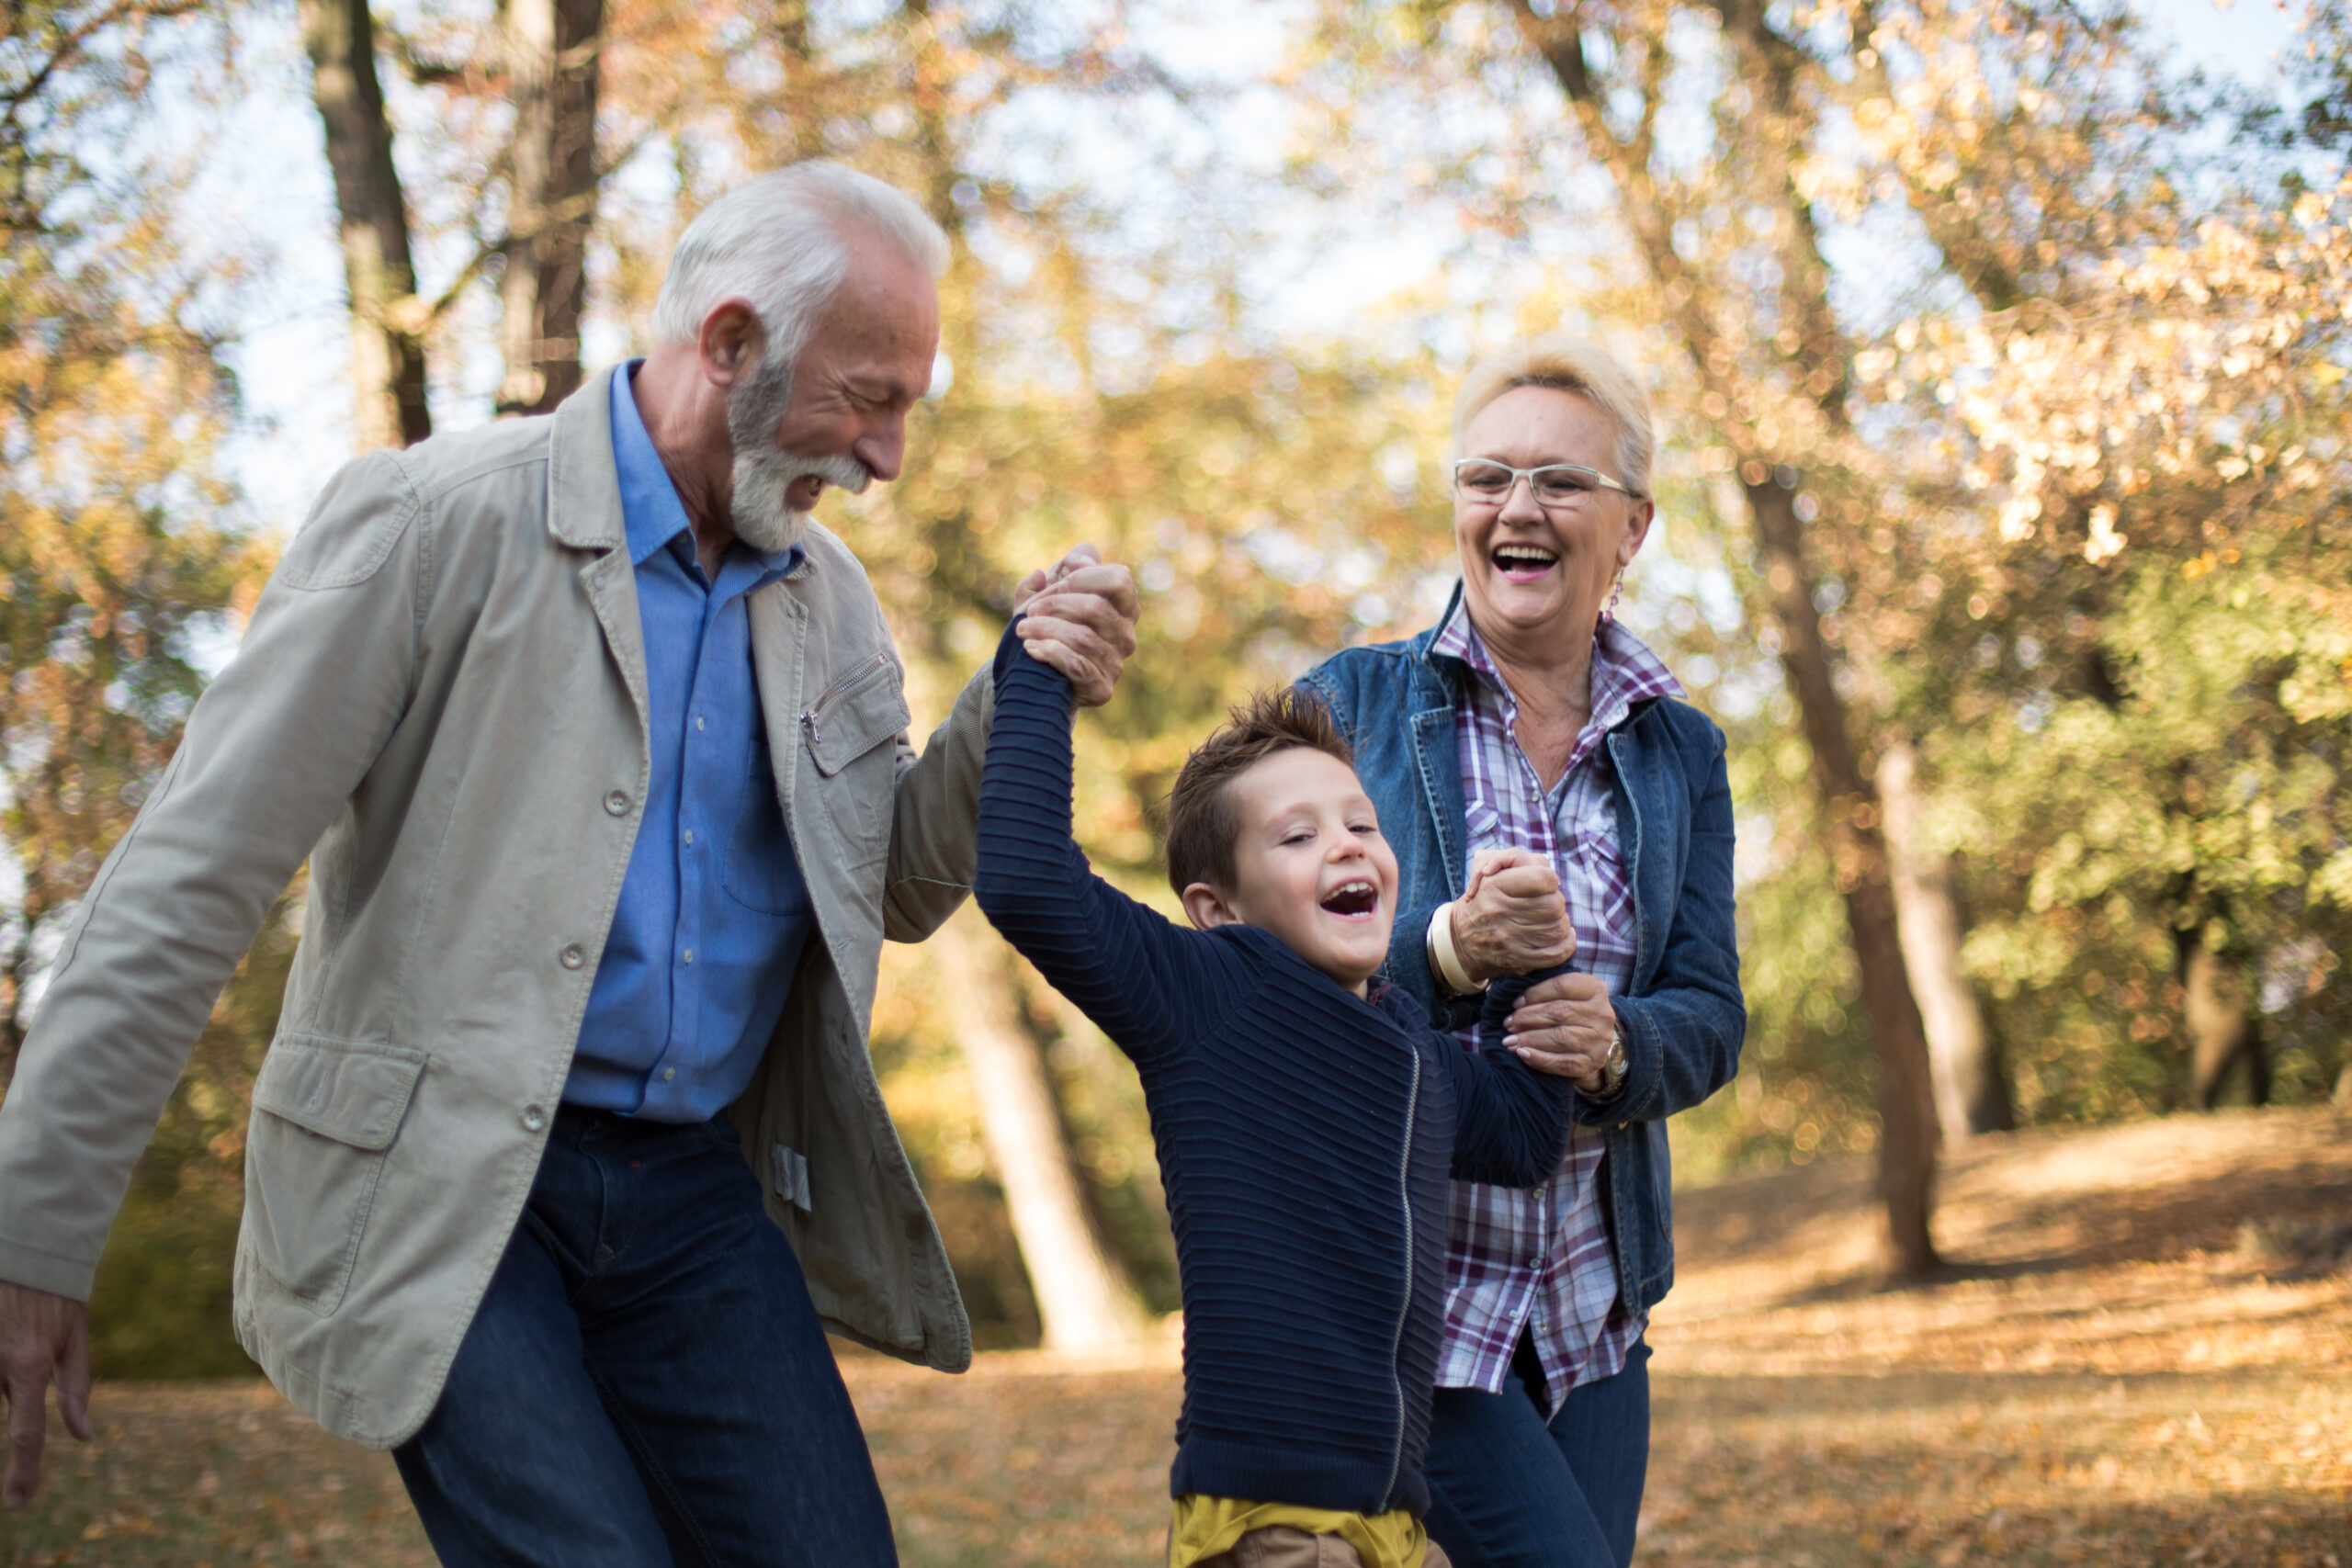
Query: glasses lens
point(1486, 481)
point(1564, 486)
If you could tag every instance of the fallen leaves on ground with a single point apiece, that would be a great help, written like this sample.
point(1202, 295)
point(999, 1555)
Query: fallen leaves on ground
point(2141, 1354)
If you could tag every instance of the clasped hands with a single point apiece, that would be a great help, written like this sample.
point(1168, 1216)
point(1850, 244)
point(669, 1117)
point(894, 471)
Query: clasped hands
point(1079, 619)
point(1512, 918)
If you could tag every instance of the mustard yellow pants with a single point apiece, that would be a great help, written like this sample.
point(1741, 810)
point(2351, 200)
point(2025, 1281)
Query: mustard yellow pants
point(1280, 1546)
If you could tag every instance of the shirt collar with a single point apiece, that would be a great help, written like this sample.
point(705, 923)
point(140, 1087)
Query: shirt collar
point(1624, 670)
point(651, 514)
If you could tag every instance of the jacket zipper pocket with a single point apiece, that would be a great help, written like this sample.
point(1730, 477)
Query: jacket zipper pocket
point(812, 719)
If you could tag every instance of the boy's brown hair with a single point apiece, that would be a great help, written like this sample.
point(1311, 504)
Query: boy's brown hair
point(1202, 826)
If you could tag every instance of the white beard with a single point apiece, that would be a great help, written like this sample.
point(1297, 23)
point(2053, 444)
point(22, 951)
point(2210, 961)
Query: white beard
point(765, 474)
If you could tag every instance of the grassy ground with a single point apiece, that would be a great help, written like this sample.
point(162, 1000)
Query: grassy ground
point(2143, 1356)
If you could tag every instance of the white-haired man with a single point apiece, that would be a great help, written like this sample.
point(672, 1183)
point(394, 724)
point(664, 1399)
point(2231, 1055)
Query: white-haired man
point(568, 1149)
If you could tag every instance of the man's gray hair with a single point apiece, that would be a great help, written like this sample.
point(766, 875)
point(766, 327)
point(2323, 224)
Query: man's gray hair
point(780, 242)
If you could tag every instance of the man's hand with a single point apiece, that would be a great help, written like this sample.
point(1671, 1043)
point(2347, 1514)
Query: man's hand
point(1511, 918)
point(1081, 619)
point(40, 1336)
point(1563, 1026)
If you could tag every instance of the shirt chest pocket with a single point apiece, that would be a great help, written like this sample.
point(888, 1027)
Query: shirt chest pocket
point(759, 870)
point(850, 733)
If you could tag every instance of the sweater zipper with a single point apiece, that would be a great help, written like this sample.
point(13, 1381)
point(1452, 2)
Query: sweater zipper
point(1397, 1344)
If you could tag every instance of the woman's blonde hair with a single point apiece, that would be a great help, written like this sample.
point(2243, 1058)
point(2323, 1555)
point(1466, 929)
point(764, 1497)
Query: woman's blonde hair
point(1566, 364)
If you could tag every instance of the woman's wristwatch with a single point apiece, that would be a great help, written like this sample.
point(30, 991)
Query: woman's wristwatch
point(1614, 1067)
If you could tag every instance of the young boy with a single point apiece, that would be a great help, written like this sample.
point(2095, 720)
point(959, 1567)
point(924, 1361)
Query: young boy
point(1306, 1123)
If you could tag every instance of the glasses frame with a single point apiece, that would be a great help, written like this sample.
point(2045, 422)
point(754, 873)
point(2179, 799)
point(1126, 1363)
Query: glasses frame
point(1596, 475)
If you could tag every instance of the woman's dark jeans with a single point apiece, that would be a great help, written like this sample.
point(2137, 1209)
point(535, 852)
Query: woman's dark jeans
point(646, 1382)
point(1509, 1491)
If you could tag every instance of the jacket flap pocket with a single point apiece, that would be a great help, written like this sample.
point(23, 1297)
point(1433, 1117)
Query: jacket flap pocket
point(860, 711)
point(355, 1093)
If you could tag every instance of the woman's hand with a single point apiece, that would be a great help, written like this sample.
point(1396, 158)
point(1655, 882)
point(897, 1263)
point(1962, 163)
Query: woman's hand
point(1511, 918)
point(1564, 1026)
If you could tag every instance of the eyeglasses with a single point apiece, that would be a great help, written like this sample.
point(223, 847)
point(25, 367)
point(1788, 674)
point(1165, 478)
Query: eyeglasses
point(1558, 486)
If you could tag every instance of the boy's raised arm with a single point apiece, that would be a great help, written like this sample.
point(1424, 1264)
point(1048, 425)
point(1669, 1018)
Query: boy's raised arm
point(1136, 975)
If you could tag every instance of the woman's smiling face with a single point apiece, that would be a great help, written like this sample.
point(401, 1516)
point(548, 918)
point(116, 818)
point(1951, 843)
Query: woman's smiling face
point(1535, 578)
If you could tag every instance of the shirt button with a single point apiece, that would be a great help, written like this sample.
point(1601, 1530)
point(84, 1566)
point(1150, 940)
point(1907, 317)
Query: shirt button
point(697, 721)
point(617, 803)
point(690, 955)
point(533, 1118)
point(572, 957)
point(690, 835)
point(669, 1072)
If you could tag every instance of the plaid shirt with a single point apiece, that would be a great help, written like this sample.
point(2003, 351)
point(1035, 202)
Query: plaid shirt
point(1539, 1260)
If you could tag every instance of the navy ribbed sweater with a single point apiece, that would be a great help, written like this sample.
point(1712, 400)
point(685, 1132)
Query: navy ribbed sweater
point(1305, 1140)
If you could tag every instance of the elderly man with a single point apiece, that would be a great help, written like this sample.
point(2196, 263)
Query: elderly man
point(569, 1149)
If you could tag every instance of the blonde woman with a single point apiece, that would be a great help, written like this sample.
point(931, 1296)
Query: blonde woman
point(1528, 716)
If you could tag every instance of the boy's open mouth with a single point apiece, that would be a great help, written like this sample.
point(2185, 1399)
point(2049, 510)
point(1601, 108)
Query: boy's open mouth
point(1522, 563)
point(1352, 898)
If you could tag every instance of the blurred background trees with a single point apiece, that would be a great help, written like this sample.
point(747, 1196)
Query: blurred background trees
point(2001, 366)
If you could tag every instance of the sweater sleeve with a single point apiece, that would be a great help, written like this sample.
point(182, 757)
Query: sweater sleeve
point(1510, 1121)
point(1138, 975)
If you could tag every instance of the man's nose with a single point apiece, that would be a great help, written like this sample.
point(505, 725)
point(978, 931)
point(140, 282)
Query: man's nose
point(882, 447)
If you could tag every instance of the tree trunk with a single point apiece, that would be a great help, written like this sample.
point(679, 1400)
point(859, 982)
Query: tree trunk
point(2220, 1026)
point(1906, 1103)
point(1907, 1146)
point(552, 48)
point(1082, 1301)
point(1972, 1091)
point(387, 319)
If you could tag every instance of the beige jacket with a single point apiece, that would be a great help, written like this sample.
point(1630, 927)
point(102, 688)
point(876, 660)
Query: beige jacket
point(441, 702)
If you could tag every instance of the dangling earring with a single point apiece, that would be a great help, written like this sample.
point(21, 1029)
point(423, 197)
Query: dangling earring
point(1616, 585)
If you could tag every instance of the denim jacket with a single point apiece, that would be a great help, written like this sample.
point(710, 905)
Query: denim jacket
point(1682, 1017)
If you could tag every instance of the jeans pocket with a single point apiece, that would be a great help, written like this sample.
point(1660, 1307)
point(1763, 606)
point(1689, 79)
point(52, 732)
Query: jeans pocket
point(325, 1113)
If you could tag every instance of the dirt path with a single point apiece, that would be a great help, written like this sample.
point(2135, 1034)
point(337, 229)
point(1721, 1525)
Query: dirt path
point(2144, 1357)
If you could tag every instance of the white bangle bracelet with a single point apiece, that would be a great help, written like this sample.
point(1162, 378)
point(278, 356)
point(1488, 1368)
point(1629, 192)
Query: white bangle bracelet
point(1443, 960)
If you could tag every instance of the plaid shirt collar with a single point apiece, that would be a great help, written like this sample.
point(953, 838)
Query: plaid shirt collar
point(1624, 672)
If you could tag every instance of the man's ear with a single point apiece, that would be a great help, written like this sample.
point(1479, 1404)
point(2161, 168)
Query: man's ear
point(1207, 909)
point(728, 342)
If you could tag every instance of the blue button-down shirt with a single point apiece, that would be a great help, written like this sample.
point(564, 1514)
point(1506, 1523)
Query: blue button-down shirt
point(713, 911)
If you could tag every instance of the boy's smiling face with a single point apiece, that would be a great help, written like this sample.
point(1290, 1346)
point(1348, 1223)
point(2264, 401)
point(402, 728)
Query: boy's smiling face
point(1308, 865)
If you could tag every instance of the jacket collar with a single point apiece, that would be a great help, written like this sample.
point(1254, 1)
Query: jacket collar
point(583, 482)
point(1423, 648)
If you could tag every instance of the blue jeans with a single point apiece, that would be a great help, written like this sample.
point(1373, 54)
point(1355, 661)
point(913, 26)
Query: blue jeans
point(1509, 1490)
point(646, 1382)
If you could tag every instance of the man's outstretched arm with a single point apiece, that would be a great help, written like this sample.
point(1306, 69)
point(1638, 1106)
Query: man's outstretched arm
point(271, 753)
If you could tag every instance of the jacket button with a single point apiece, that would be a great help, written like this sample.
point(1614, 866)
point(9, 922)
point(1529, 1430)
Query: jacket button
point(533, 1118)
point(572, 957)
point(617, 803)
